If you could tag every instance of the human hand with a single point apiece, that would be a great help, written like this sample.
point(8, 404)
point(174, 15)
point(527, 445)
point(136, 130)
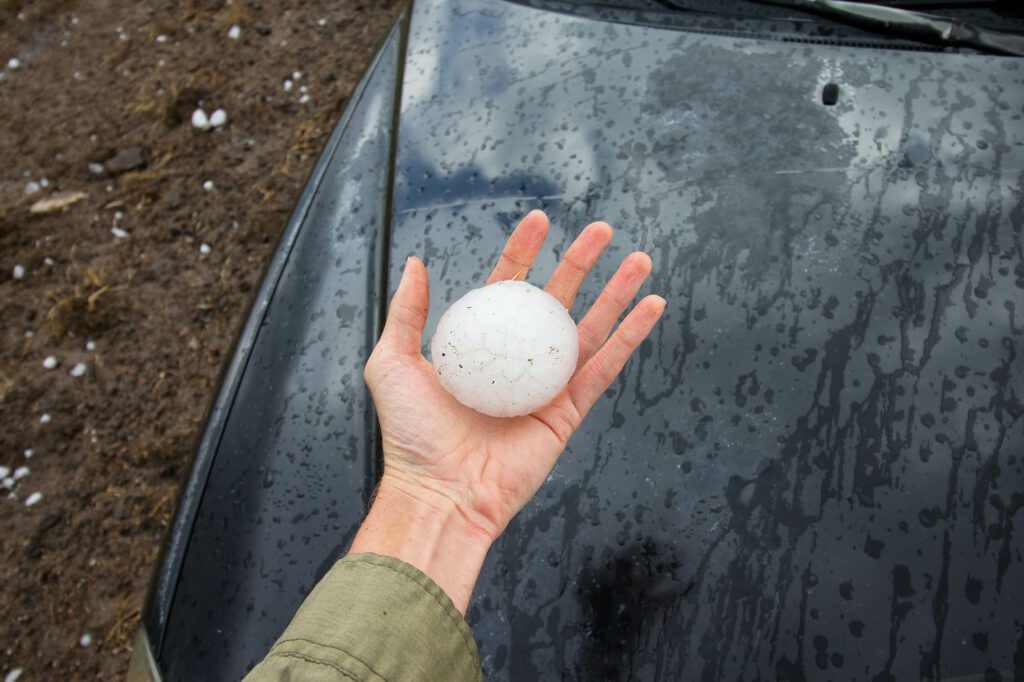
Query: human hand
point(453, 477)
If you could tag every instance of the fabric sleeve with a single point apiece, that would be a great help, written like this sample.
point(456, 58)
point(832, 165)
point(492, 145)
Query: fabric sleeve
point(373, 618)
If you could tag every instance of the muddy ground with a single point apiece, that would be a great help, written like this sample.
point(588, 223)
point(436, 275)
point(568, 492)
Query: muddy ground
point(144, 278)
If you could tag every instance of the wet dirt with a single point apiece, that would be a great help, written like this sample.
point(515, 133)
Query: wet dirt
point(144, 280)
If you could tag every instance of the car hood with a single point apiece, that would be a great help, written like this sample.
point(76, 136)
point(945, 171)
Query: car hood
point(813, 463)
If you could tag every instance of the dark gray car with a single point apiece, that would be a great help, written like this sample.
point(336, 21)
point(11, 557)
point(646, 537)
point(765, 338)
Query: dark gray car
point(813, 469)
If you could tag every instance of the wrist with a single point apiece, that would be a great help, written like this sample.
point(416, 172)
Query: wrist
point(428, 531)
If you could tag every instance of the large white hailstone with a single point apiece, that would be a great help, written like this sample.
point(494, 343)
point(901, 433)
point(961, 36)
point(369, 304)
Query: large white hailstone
point(505, 349)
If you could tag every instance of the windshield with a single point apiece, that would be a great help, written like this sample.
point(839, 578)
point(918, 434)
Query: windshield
point(1001, 16)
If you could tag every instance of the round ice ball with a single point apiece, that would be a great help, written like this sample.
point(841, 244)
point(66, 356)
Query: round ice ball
point(505, 349)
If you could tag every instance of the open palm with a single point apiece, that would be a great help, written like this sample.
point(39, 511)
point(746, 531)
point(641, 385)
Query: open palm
point(489, 467)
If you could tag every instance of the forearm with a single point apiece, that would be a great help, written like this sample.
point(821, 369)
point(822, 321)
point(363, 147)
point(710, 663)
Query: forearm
point(427, 532)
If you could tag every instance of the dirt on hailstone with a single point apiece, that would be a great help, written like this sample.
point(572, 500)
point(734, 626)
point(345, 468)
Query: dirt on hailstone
point(144, 275)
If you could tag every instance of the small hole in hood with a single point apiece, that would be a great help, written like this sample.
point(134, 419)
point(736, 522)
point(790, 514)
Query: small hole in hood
point(830, 94)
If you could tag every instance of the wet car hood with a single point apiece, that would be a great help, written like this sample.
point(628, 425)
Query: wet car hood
point(812, 467)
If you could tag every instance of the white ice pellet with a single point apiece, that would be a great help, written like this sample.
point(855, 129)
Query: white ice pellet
point(29, 333)
point(78, 370)
point(234, 32)
point(287, 85)
point(50, 362)
point(20, 473)
point(45, 418)
point(96, 168)
point(16, 673)
point(218, 118)
point(44, 183)
point(47, 261)
point(4, 472)
point(32, 187)
point(200, 120)
point(304, 99)
point(303, 89)
point(8, 482)
point(505, 349)
point(85, 640)
point(205, 249)
point(90, 345)
point(13, 63)
point(208, 185)
point(19, 272)
point(33, 499)
point(296, 75)
point(321, 21)
point(118, 232)
point(161, 38)
point(28, 453)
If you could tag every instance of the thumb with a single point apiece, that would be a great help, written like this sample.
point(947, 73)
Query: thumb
point(407, 314)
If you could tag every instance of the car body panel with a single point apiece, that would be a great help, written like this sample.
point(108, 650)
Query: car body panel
point(293, 465)
point(814, 465)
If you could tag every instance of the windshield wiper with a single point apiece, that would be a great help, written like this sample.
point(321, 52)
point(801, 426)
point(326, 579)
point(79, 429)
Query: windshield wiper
point(901, 23)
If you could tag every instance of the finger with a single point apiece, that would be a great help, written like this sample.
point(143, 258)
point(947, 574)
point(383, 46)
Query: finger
point(591, 381)
point(577, 262)
point(609, 306)
point(522, 248)
point(407, 314)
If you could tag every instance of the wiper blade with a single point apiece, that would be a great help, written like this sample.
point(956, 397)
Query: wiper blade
point(902, 23)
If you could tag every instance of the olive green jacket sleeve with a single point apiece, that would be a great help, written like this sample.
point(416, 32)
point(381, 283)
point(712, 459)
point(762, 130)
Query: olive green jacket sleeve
point(373, 618)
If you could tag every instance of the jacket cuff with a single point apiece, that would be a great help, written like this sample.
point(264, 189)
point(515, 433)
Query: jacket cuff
point(377, 618)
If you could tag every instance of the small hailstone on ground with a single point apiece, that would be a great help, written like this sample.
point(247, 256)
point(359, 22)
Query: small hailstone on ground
point(19, 272)
point(85, 640)
point(303, 88)
point(287, 85)
point(32, 187)
point(205, 249)
point(13, 63)
point(28, 453)
point(218, 118)
point(321, 21)
point(47, 261)
point(45, 418)
point(234, 32)
point(33, 499)
point(4, 472)
point(90, 345)
point(29, 333)
point(296, 75)
point(20, 473)
point(208, 185)
point(44, 183)
point(304, 99)
point(200, 120)
point(96, 168)
point(161, 38)
point(505, 349)
point(50, 362)
point(8, 482)
point(16, 673)
point(118, 232)
point(78, 370)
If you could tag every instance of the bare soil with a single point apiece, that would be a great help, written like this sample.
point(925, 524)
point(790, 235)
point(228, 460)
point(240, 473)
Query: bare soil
point(160, 308)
